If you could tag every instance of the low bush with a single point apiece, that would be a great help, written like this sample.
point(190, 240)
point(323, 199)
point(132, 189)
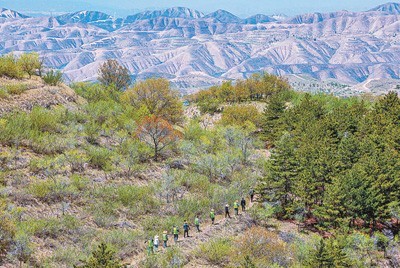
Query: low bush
point(53, 78)
point(139, 200)
point(66, 255)
point(125, 241)
point(45, 120)
point(216, 252)
point(49, 144)
point(265, 248)
point(241, 115)
point(52, 190)
point(14, 128)
point(4, 93)
point(76, 160)
point(100, 157)
point(13, 89)
point(9, 67)
point(51, 227)
point(104, 213)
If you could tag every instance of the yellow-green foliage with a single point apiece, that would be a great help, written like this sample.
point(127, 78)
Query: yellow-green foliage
point(263, 247)
point(257, 87)
point(9, 67)
point(14, 67)
point(216, 252)
point(29, 63)
point(157, 97)
point(51, 227)
point(241, 115)
point(12, 89)
point(7, 229)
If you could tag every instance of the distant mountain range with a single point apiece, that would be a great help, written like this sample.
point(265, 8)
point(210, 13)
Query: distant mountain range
point(197, 50)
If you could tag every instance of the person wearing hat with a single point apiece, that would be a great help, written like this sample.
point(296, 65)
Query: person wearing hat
point(165, 239)
point(156, 242)
point(227, 211)
point(212, 216)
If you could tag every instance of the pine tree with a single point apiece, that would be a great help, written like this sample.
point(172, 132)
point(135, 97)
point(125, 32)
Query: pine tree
point(272, 118)
point(102, 257)
point(283, 170)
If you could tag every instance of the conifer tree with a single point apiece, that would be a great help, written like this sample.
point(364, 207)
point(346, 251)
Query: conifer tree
point(272, 119)
point(283, 170)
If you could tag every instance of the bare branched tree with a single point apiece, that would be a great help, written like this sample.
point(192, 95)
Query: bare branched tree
point(111, 73)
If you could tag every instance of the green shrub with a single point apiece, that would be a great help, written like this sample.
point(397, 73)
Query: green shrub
point(173, 257)
point(53, 78)
point(103, 256)
point(80, 183)
point(95, 92)
point(9, 67)
point(189, 208)
point(92, 132)
point(14, 89)
point(52, 191)
point(14, 128)
point(45, 120)
point(216, 252)
point(30, 63)
point(125, 241)
point(100, 157)
point(104, 213)
point(76, 159)
point(48, 144)
point(4, 93)
point(51, 227)
point(49, 164)
point(67, 255)
point(140, 200)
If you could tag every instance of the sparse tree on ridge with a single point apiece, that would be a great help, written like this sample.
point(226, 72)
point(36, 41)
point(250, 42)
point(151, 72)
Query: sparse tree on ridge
point(111, 73)
point(156, 95)
point(157, 133)
point(30, 63)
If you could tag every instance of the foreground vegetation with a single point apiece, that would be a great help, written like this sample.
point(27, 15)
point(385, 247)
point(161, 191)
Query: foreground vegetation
point(89, 185)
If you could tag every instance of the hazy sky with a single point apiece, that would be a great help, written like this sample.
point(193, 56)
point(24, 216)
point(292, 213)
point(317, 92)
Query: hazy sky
point(241, 8)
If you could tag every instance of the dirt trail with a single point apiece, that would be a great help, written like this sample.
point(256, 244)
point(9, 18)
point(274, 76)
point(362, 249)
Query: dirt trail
point(222, 228)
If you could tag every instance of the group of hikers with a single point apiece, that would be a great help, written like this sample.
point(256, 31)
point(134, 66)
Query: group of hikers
point(153, 243)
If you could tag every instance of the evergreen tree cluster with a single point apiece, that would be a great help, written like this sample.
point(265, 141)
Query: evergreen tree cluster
point(335, 161)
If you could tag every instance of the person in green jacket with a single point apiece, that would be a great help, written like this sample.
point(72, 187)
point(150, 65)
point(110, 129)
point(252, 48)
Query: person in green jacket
point(197, 223)
point(212, 216)
point(175, 231)
point(150, 246)
point(165, 239)
point(236, 207)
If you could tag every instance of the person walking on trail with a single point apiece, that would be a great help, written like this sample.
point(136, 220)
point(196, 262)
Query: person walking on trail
point(227, 211)
point(165, 239)
point(175, 231)
point(186, 229)
point(212, 216)
point(150, 246)
point(251, 193)
point(243, 204)
point(197, 223)
point(236, 207)
point(156, 242)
